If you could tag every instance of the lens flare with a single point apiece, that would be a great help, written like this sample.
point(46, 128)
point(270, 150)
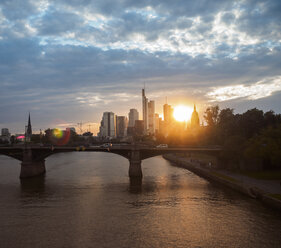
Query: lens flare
point(60, 137)
point(182, 113)
point(57, 133)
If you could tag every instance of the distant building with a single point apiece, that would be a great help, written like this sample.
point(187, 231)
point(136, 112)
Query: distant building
point(108, 125)
point(162, 129)
point(157, 123)
point(131, 131)
point(144, 112)
point(195, 118)
point(168, 113)
point(121, 126)
point(139, 126)
point(133, 116)
point(5, 132)
point(72, 129)
point(5, 136)
point(151, 117)
point(28, 130)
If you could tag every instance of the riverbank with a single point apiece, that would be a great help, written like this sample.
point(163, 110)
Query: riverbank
point(267, 191)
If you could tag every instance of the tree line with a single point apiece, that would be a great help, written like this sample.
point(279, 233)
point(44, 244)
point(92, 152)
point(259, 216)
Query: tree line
point(252, 138)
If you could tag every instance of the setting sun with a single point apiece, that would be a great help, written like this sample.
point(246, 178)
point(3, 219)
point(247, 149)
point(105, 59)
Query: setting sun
point(182, 113)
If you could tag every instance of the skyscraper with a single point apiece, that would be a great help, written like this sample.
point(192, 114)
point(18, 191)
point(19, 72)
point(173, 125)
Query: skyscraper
point(121, 126)
point(168, 113)
point(133, 116)
point(144, 112)
point(108, 125)
point(151, 117)
point(139, 127)
point(157, 123)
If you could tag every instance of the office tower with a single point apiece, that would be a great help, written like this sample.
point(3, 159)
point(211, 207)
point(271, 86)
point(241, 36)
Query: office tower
point(168, 113)
point(139, 126)
point(108, 125)
point(144, 112)
point(121, 126)
point(157, 123)
point(133, 116)
point(162, 127)
point(151, 117)
point(194, 118)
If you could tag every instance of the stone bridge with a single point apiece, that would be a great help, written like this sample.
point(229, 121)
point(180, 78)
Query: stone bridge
point(33, 157)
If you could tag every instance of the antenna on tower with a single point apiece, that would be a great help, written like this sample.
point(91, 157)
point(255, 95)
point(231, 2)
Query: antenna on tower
point(80, 125)
point(166, 100)
point(89, 126)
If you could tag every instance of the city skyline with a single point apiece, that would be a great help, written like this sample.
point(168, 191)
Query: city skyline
point(60, 59)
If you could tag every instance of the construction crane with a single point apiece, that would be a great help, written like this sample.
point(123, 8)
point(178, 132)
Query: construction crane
point(80, 127)
point(89, 126)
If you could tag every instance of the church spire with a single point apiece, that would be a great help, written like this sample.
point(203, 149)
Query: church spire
point(28, 129)
point(29, 122)
point(195, 118)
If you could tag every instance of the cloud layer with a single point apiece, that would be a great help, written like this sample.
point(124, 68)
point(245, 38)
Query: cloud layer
point(72, 60)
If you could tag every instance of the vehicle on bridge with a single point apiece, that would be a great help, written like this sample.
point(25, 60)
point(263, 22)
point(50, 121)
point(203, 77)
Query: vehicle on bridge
point(106, 145)
point(162, 146)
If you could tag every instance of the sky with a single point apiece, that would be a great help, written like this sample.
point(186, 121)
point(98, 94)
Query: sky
point(68, 61)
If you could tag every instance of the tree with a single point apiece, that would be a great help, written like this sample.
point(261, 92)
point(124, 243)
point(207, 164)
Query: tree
point(270, 118)
point(251, 122)
point(267, 147)
point(227, 123)
point(211, 115)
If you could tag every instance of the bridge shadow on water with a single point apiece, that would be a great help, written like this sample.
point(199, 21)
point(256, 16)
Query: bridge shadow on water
point(135, 185)
point(33, 185)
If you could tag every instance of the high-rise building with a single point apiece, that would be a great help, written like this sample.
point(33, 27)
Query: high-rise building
point(28, 130)
point(195, 118)
point(121, 126)
point(133, 116)
point(168, 113)
point(151, 117)
point(108, 125)
point(157, 123)
point(139, 127)
point(162, 128)
point(144, 112)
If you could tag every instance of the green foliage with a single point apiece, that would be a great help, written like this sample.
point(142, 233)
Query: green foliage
point(253, 135)
point(251, 122)
point(233, 147)
point(211, 115)
point(266, 146)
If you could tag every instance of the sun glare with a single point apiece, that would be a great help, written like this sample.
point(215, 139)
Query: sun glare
point(182, 113)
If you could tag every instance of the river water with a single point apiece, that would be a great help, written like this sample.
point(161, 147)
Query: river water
point(87, 200)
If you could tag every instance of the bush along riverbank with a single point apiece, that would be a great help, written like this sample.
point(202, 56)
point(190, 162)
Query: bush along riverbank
point(267, 191)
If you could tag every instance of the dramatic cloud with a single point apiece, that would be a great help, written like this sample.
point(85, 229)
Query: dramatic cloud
point(252, 92)
point(71, 60)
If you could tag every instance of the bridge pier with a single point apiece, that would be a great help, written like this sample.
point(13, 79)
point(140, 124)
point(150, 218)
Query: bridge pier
point(29, 167)
point(135, 164)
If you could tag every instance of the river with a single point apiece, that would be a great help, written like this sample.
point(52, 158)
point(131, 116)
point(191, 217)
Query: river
point(87, 200)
